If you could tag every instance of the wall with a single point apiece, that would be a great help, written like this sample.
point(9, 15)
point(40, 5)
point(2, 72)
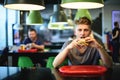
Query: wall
point(2, 27)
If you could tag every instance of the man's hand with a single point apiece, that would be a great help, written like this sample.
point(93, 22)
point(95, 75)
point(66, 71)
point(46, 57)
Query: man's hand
point(30, 45)
point(92, 42)
point(33, 45)
point(78, 43)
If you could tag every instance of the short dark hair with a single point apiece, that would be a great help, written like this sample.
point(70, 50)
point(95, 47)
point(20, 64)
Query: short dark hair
point(115, 23)
point(32, 29)
point(83, 20)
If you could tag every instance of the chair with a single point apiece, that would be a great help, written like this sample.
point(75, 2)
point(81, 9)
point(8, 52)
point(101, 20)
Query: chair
point(25, 61)
point(3, 57)
point(50, 62)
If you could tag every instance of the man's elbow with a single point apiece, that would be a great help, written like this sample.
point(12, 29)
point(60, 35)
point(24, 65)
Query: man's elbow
point(109, 65)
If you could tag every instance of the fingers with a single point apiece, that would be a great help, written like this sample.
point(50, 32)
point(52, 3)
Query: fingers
point(89, 39)
point(92, 42)
point(81, 43)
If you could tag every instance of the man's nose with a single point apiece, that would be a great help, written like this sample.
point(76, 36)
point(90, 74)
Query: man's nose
point(82, 32)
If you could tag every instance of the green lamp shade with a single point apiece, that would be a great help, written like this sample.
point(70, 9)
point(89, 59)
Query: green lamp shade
point(82, 13)
point(24, 4)
point(82, 4)
point(34, 18)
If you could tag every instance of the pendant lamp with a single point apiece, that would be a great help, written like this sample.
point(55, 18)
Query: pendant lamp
point(24, 4)
point(34, 18)
point(82, 13)
point(82, 4)
point(18, 26)
point(69, 17)
point(20, 20)
point(58, 16)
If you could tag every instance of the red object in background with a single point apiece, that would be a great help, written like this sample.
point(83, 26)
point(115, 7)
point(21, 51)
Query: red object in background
point(82, 70)
point(109, 44)
point(27, 51)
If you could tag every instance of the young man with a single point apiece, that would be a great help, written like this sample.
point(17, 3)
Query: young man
point(84, 49)
point(33, 41)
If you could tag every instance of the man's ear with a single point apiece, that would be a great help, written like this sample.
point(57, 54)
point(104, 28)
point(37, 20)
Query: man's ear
point(91, 34)
point(74, 33)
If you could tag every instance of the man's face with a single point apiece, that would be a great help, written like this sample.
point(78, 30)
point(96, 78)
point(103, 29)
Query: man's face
point(82, 31)
point(32, 35)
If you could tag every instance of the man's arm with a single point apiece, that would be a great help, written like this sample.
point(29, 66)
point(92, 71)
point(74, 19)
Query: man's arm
point(105, 57)
point(63, 54)
point(60, 57)
point(40, 47)
point(117, 33)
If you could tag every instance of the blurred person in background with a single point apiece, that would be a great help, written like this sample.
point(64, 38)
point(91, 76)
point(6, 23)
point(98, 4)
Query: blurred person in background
point(115, 42)
point(33, 41)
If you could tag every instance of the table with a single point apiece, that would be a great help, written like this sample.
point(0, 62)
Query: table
point(111, 74)
point(42, 73)
point(17, 73)
point(13, 56)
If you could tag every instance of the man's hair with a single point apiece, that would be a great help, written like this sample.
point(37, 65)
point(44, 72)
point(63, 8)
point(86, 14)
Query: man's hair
point(115, 23)
point(83, 20)
point(31, 29)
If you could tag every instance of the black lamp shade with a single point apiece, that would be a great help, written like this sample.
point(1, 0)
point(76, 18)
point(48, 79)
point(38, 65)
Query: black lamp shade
point(58, 16)
point(24, 4)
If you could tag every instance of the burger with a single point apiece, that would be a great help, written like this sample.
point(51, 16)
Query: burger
point(82, 42)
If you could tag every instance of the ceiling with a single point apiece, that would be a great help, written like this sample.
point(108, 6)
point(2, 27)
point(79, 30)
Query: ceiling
point(48, 7)
point(46, 1)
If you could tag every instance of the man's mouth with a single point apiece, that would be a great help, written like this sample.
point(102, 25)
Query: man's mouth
point(82, 37)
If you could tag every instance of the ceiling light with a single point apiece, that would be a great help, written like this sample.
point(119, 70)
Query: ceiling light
point(58, 16)
point(24, 4)
point(82, 4)
point(18, 26)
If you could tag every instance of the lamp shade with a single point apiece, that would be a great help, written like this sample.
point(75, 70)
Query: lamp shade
point(18, 26)
point(24, 4)
point(82, 13)
point(34, 18)
point(58, 16)
point(82, 4)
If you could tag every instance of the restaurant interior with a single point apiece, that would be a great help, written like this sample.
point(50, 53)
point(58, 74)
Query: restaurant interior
point(54, 24)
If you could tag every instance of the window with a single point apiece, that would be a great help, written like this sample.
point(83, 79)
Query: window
point(115, 17)
point(2, 27)
point(7, 19)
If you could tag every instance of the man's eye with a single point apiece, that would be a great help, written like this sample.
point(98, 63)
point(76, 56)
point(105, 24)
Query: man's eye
point(79, 30)
point(86, 30)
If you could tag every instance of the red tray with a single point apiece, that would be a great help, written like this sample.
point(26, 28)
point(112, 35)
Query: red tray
point(91, 70)
point(27, 51)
